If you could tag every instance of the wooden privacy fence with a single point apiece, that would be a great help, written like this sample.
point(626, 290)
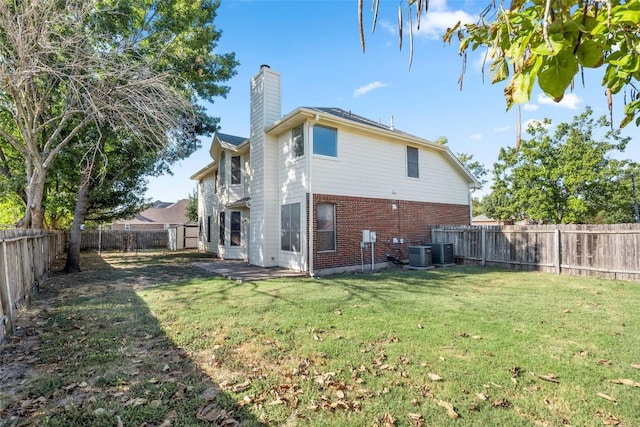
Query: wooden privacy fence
point(129, 240)
point(26, 256)
point(611, 250)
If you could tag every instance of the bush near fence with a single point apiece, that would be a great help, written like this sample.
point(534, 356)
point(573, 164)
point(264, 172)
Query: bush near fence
point(607, 250)
point(26, 257)
point(130, 240)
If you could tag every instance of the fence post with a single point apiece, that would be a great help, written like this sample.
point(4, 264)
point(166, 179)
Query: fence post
point(483, 244)
point(558, 250)
point(5, 291)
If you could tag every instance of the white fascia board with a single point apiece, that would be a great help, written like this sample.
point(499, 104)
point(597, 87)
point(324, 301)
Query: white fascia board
point(204, 172)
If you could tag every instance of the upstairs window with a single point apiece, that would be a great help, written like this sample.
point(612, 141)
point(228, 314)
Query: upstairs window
point(412, 163)
point(297, 137)
point(236, 170)
point(325, 141)
point(223, 169)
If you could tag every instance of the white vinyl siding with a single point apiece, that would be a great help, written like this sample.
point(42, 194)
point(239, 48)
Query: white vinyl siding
point(372, 167)
point(207, 207)
point(292, 189)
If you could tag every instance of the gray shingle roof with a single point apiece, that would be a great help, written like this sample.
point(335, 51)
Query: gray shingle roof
point(348, 115)
point(231, 139)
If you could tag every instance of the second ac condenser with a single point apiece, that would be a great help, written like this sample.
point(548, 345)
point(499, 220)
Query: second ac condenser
point(442, 253)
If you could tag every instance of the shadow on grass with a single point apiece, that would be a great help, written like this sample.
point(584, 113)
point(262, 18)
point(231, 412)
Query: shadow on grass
point(386, 285)
point(90, 352)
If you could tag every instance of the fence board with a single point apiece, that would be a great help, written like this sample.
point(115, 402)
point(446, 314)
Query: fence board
point(131, 240)
point(26, 256)
point(610, 250)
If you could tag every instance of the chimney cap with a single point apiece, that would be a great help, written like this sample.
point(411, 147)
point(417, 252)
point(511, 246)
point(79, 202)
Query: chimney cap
point(264, 66)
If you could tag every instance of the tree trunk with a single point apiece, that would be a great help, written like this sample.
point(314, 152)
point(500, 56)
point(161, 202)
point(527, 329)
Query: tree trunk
point(72, 264)
point(34, 211)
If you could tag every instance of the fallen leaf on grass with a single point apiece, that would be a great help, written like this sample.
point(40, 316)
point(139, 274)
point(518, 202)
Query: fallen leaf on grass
point(449, 407)
point(386, 420)
point(217, 415)
point(416, 420)
point(338, 312)
point(625, 381)
point(549, 377)
point(169, 419)
point(434, 377)
point(241, 387)
point(138, 401)
point(420, 326)
point(612, 421)
point(635, 365)
point(606, 396)
point(604, 362)
point(482, 396)
point(501, 403)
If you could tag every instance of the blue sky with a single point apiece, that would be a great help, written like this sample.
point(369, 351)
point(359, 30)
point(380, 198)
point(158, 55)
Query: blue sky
point(315, 46)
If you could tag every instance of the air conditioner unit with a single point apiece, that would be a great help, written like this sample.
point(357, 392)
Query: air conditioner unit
point(442, 253)
point(419, 256)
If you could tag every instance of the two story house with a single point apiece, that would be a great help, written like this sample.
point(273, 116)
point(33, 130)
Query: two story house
point(300, 190)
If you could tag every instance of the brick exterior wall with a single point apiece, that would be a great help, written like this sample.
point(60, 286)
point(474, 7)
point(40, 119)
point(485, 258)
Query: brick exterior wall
point(411, 221)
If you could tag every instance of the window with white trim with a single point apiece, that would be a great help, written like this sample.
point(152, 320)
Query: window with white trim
point(326, 219)
point(297, 141)
point(325, 141)
point(290, 227)
point(236, 170)
point(413, 170)
point(236, 227)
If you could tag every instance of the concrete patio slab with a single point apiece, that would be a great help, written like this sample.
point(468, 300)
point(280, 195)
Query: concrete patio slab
point(241, 271)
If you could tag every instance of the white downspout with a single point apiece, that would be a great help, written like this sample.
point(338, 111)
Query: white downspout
point(311, 206)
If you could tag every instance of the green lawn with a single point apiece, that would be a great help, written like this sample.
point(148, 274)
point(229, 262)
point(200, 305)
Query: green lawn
point(455, 346)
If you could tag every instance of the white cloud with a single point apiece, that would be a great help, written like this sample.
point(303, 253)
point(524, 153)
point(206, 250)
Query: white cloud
point(501, 129)
point(531, 107)
point(363, 90)
point(476, 137)
point(434, 24)
point(569, 101)
point(386, 25)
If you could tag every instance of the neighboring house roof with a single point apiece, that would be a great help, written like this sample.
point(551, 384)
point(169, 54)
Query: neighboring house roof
point(483, 219)
point(166, 213)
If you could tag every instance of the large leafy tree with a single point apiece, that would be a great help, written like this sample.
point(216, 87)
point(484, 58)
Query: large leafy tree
point(568, 176)
point(548, 42)
point(176, 36)
point(59, 75)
